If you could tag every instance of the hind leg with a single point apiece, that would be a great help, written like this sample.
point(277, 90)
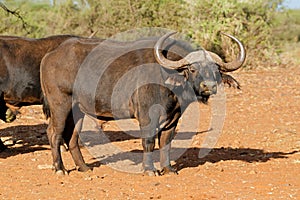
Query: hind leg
point(55, 139)
point(71, 135)
point(55, 130)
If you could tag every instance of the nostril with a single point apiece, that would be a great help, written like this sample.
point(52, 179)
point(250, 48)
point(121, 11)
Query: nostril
point(214, 89)
point(203, 85)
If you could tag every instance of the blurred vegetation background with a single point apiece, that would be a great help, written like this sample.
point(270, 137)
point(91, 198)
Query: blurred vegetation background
point(265, 27)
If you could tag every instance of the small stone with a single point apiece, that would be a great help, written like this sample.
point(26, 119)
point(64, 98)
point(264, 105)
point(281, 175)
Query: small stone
point(9, 142)
point(275, 130)
point(88, 178)
point(45, 166)
point(19, 142)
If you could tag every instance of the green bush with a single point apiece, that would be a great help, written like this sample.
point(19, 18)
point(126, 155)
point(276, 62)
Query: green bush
point(254, 22)
point(288, 26)
point(251, 21)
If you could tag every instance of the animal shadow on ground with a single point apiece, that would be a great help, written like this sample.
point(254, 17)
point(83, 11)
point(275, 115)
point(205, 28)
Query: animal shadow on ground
point(30, 138)
point(185, 157)
point(249, 155)
point(23, 139)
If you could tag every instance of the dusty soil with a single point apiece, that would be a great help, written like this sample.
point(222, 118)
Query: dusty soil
point(256, 156)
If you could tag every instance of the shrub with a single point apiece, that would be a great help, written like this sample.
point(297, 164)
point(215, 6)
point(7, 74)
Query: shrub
point(253, 22)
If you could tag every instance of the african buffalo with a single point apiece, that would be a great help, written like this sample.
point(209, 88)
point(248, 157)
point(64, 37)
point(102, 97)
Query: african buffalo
point(128, 80)
point(20, 60)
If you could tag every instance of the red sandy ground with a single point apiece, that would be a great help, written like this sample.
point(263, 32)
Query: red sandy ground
point(256, 157)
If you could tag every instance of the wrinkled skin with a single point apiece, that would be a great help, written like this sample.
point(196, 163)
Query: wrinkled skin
point(69, 96)
point(20, 60)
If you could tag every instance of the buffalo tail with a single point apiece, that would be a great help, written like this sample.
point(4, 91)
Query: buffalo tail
point(46, 108)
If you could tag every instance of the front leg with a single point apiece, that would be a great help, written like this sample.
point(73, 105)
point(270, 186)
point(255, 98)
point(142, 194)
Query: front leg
point(148, 119)
point(148, 146)
point(165, 139)
point(148, 133)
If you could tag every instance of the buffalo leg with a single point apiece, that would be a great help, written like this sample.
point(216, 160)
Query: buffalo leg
point(2, 146)
point(70, 136)
point(55, 141)
point(148, 119)
point(6, 114)
point(148, 134)
point(148, 146)
point(56, 128)
point(165, 138)
point(3, 107)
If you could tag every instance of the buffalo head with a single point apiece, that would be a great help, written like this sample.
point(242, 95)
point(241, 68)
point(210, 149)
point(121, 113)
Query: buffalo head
point(202, 70)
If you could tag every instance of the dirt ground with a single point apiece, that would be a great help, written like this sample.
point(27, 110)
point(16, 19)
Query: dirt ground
point(256, 156)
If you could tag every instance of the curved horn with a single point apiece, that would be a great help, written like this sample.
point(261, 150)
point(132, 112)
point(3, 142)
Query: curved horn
point(234, 65)
point(160, 58)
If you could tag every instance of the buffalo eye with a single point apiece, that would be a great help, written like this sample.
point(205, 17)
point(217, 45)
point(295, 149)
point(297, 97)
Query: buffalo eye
point(192, 69)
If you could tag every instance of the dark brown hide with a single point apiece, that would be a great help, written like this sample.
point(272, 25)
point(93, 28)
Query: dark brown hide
point(20, 60)
point(74, 85)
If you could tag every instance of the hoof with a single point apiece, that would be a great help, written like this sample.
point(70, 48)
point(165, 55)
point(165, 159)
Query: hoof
point(63, 148)
point(153, 172)
point(84, 169)
point(61, 172)
point(168, 170)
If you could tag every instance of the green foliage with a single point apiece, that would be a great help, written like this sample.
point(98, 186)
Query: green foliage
point(250, 21)
point(288, 26)
point(254, 22)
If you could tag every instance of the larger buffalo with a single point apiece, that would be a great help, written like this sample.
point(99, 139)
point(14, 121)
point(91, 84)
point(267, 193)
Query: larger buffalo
point(128, 80)
point(20, 60)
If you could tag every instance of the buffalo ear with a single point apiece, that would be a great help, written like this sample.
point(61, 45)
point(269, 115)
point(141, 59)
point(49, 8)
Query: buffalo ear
point(230, 81)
